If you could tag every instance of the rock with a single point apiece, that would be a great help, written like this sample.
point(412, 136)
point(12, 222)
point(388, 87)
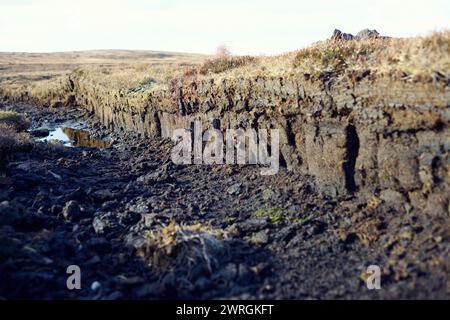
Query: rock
point(148, 220)
point(234, 189)
point(267, 194)
point(363, 34)
point(99, 225)
point(339, 35)
point(40, 132)
point(261, 237)
point(104, 195)
point(108, 205)
point(139, 208)
point(136, 242)
point(71, 210)
point(95, 286)
point(393, 198)
point(367, 34)
point(155, 177)
point(252, 225)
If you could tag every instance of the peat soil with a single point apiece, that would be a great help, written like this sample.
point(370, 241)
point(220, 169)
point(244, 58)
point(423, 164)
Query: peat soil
point(92, 207)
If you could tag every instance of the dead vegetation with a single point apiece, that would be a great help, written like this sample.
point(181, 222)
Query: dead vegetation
point(12, 135)
point(185, 247)
point(224, 63)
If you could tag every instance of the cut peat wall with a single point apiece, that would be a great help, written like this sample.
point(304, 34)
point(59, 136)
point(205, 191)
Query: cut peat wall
point(372, 135)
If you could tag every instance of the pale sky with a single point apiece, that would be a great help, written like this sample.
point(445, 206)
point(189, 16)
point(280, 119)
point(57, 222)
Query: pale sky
point(245, 26)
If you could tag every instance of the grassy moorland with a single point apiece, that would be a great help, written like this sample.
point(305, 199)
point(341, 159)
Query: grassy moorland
point(44, 76)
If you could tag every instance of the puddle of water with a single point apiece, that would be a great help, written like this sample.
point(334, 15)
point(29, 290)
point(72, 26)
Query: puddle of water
point(70, 137)
point(58, 135)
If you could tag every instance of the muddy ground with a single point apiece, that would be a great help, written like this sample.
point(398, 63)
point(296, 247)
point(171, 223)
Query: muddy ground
point(282, 239)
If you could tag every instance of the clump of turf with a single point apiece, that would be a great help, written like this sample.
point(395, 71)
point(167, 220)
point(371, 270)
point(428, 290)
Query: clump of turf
point(185, 247)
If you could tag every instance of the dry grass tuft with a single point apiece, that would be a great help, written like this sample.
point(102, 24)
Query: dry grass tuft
point(186, 247)
point(7, 139)
point(11, 141)
point(224, 63)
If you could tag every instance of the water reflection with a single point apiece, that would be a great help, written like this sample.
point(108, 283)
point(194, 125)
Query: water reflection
point(76, 138)
point(83, 138)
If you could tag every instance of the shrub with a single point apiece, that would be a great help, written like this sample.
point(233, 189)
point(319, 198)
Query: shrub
point(14, 120)
point(224, 63)
point(7, 140)
point(222, 51)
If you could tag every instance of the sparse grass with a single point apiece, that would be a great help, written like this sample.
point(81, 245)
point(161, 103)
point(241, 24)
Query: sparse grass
point(224, 63)
point(275, 215)
point(421, 55)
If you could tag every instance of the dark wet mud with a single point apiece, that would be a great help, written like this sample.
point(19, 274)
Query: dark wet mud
point(141, 227)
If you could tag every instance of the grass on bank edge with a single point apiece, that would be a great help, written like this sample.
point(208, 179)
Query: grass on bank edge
point(418, 56)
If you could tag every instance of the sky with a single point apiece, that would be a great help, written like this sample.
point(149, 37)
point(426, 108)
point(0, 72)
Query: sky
point(245, 26)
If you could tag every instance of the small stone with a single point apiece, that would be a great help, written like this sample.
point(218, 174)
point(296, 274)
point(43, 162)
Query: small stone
point(40, 132)
point(252, 225)
point(234, 189)
point(152, 178)
point(71, 210)
point(99, 225)
point(267, 194)
point(261, 237)
point(393, 198)
point(95, 286)
point(104, 195)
